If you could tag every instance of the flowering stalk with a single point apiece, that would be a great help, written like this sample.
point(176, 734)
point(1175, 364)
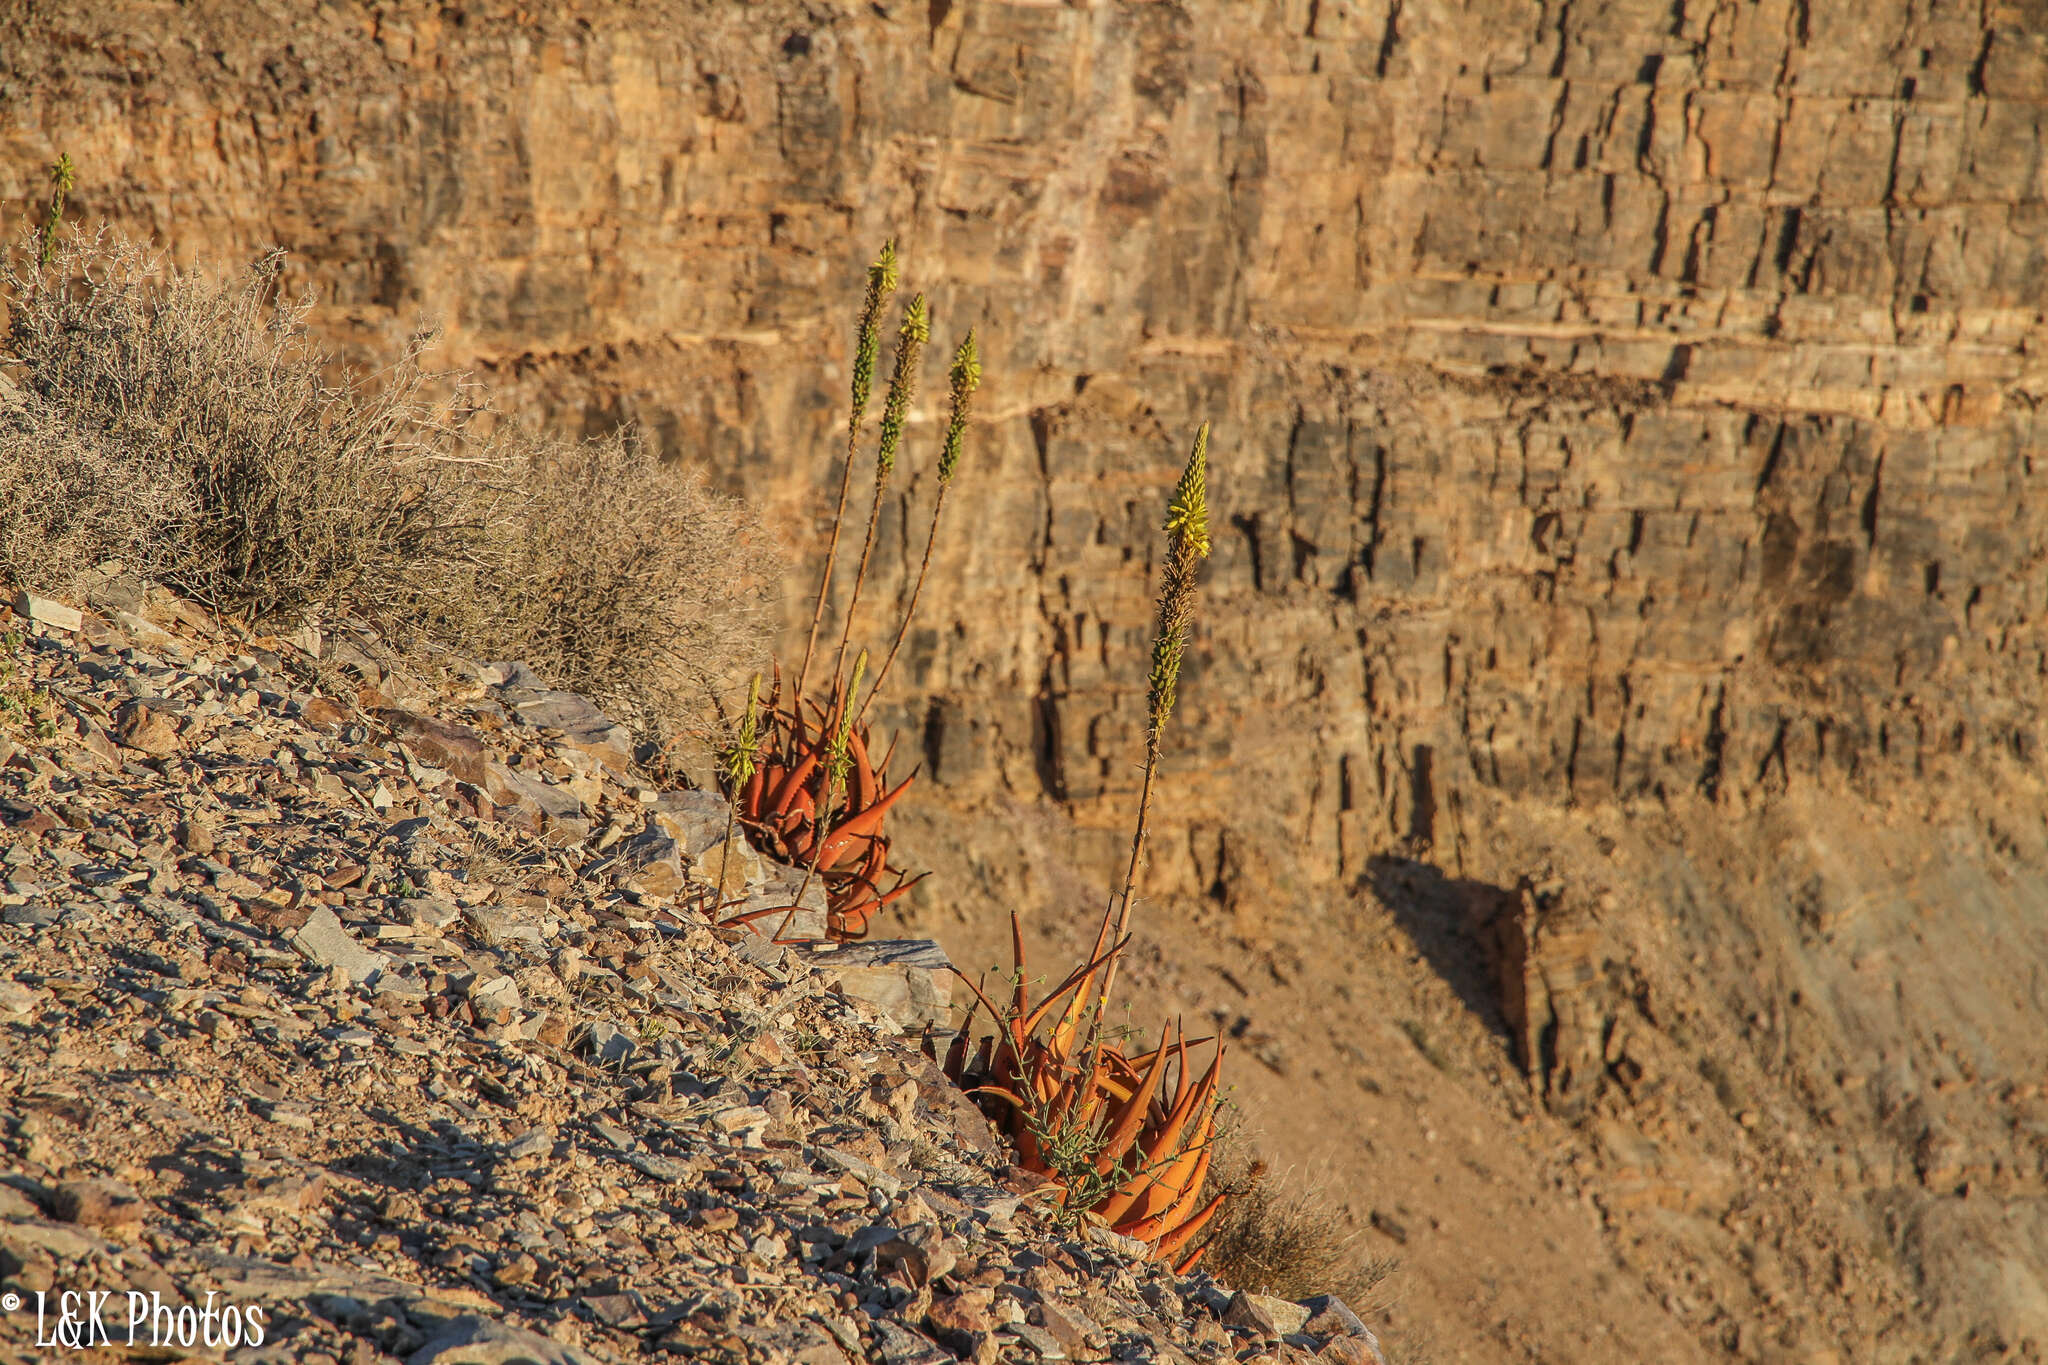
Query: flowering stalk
point(738, 767)
point(882, 277)
point(63, 178)
point(895, 412)
point(1187, 545)
point(964, 377)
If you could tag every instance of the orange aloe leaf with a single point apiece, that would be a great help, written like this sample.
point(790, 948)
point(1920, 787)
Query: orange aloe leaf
point(793, 780)
point(1000, 1093)
point(1179, 1237)
point(1023, 1007)
point(1073, 979)
point(1143, 1058)
point(996, 1016)
point(1162, 1146)
point(1070, 1019)
point(1185, 1196)
point(1133, 1119)
point(865, 823)
point(1188, 1102)
point(864, 787)
point(1081, 1092)
point(1172, 1182)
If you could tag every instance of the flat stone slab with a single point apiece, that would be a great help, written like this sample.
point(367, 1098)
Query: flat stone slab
point(696, 820)
point(325, 942)
point(48, 611)
point(922, 953)
point(582, 724)
point(907, 980)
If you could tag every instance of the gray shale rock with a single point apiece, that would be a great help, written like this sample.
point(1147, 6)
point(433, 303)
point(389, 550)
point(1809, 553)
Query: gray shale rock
point(908, 980)
point(325, 942)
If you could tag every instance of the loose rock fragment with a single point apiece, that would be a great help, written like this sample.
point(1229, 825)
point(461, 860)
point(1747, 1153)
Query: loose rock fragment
point(142, 728)
point(49, 611)
point(479, 1341)
point(326, 943)
point(98, 1203)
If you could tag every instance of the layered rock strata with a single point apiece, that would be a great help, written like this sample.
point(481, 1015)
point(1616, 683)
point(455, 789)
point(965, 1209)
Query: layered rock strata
point(1626, 421)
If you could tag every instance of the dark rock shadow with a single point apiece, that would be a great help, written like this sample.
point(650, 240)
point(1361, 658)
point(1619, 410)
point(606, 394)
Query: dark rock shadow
point(1448, 920)
point(201, 1167)
point(418, 1156)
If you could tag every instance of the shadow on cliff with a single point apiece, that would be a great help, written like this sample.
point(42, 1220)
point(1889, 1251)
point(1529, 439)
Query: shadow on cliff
point(1445, 917)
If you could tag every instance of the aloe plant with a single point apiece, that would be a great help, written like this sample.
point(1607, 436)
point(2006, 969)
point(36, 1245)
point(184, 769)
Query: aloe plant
point(1127, 1149)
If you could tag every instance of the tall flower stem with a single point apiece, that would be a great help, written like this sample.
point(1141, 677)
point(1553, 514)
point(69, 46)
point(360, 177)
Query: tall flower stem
point(1187, 545)
point(882, 278)
point(895, 411)
point(739, 767)
point(965, 377)
point(63, 178)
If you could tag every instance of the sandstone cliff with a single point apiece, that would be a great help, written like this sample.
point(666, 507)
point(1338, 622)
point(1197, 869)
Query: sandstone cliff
point(1626, 419)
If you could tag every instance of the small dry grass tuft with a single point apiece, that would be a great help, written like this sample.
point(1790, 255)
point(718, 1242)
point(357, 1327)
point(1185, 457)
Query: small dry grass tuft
point(1286, 1238)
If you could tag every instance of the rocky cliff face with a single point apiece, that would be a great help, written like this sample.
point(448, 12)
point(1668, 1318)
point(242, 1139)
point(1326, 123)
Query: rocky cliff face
point(1625, 417)
point(1607, 401)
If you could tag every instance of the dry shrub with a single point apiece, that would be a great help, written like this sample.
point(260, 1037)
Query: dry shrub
point(1285, 1237)
point(180, 421)
point(629, 579)
point(70, 501)
point(283, 495)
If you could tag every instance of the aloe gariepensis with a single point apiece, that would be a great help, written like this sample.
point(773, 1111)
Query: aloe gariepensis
point(1128, 1137)
point(815, 798)
point(807, 788)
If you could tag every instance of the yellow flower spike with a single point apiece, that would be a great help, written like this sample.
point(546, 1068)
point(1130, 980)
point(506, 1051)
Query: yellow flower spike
point(1188, 513)
point(842, 734)
point(917, 329)
point(964, 378)
point(63, 179)
point(746, 744)
point(881, 283)
point(1187, 544)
